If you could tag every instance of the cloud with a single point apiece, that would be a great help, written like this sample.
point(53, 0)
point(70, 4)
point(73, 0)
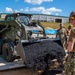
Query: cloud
point(8, 9)
point(24, 10)
point(43, 10)
point(37, 1)
point(36, 10)
point(21, 9)
point(53, 9)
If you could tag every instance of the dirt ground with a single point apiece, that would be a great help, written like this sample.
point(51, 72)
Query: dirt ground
point(22, 71)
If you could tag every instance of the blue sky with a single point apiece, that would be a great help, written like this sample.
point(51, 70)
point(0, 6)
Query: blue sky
point(50, 7)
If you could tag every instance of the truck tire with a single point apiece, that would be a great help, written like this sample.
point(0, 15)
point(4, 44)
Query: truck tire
point(7, 52)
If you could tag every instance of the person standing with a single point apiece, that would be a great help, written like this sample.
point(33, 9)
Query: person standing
point(62, 34)
point(68, 33)
point(69, 30)
point(70, 57)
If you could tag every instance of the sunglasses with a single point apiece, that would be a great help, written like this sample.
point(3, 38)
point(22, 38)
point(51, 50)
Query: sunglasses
point(71, 18)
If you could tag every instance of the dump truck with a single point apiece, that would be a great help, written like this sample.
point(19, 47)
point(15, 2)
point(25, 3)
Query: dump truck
point(22, 38)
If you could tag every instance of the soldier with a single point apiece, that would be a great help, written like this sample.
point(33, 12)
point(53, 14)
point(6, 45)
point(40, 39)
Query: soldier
point(62, 34)
point(70, 61)
point(68, 33)
point(69, 30)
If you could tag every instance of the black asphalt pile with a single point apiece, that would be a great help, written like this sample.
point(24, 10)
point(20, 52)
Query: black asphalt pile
point(40, 55)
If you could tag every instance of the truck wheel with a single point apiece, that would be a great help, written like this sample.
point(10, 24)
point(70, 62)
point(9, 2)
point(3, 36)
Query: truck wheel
point(7, 52)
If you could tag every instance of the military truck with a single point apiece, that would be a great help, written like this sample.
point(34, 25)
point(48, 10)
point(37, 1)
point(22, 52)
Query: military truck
point(20, 37)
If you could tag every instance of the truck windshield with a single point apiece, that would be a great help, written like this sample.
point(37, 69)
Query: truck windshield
point(23, 20)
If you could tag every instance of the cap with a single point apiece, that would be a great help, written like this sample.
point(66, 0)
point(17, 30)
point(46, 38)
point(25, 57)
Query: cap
point(72, 15)
point(61, 24)
point(70, 26)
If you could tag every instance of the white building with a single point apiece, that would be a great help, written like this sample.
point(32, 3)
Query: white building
point(2, 15)
point(50, 18)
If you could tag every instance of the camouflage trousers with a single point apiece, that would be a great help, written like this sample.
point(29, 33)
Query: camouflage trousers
point(70, 64)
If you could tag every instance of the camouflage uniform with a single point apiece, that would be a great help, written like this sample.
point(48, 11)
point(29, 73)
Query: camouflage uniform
point(61, 33)
point(70, 62)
